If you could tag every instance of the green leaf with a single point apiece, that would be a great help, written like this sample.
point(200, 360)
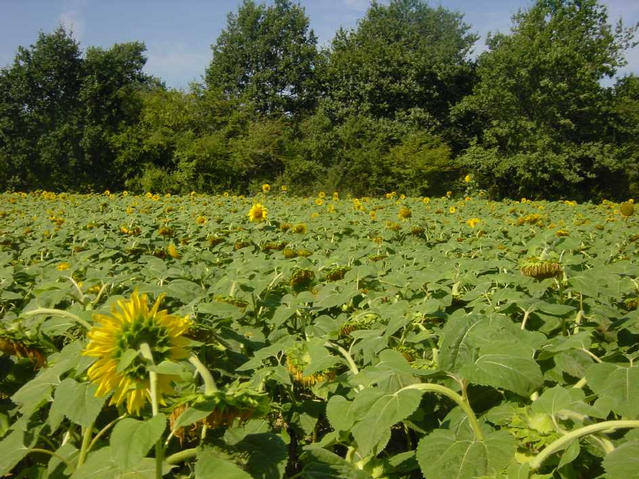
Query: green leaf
point(13, 450)
point(504, 366)
point(442, 456)
point(569, 454)
point(623, 462)
point(372, 432)
point(77, 402)
point(56, 468)
point(194, 413)
point(266, 455)
point(131, 439)
point(323, 464)
point(617, 385)
point(210, 466)
point(101, 464)
point(126, 359)
point(337, 412)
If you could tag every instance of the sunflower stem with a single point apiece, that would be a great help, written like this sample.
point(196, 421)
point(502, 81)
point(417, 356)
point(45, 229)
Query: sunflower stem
point(209, 383)
point(58, 312)
point(86, 440)
point(53, 454)
point(181, 456)
point(461, 402)
point(563, 441)
point(145, 349)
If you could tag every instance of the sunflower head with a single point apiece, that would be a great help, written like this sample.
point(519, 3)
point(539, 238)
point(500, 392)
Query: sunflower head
point(266, 188)
point(297, 358)
point(257, 213)
point(537, 268)
point(404, 213)
point(116, 341)
point(472, 222)
point(627, 208)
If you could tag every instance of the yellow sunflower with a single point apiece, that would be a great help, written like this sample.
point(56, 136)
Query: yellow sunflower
point(266, 188)
point(257, 213)
point(113, 339)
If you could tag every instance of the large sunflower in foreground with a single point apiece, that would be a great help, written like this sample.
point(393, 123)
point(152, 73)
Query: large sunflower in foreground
point(116, 341)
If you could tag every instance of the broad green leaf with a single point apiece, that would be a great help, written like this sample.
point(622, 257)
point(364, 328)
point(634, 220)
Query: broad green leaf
point(131, 439)
point(623, 462)
point(101, 464)
point(266, 455)
point(77, 401)
point(210, 466)
point(195, 413)
point(338, 413)
point(442, 456)
point(617, 385)
point(506, 367)
point(323, 464)
point(13, 449)
point(371, 432)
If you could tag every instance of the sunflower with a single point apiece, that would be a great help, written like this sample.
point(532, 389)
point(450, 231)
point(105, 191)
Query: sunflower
point(404, 213)
point(266, 188)
point(627, 208)
point(257, 213)
point(472, 222)
point(129, 325)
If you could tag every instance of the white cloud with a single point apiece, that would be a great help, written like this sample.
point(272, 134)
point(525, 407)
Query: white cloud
point(72, 21)
point(176, 63)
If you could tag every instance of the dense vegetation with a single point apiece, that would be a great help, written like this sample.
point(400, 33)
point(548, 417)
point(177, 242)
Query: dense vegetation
point(388, 338)
point(396, 103)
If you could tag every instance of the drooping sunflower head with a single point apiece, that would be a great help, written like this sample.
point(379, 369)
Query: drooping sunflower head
point(257, 213)
point(116, 341)
point(297, 358)
point(404, 213)
point(627, 208)
point(538, 268)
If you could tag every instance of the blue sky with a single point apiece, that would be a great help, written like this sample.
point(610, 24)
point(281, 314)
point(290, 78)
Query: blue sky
point(178, 33)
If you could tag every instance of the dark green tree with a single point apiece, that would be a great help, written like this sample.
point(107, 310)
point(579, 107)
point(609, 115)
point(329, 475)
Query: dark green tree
point(402, 56)
point(267, 55)
point(39, 123)
point(110, 103)
point(539, 107)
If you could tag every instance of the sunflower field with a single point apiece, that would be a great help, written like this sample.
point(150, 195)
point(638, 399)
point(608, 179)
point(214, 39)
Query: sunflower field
point(323, 337)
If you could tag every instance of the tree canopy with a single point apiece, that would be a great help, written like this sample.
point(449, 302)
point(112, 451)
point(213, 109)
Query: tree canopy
point(398, 102)
point(268, 56)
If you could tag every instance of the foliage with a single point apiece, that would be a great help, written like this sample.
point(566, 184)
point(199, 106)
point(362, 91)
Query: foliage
point(267, 55)
point(59, 111)
point(401, 56)
point(539, 105)
point(502, 349)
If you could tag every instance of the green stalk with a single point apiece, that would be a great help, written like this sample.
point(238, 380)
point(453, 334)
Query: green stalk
point(145, 349)
point(210, 387)
point(51, 453)
point(449, 393)
point(563, 441)
point(58, 312)
point(102, 432)
point(181, 456)
point(349, 359)
point(86, 440)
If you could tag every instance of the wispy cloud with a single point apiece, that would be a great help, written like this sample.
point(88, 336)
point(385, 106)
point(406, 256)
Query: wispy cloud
point(72, 21)
point(176, 63)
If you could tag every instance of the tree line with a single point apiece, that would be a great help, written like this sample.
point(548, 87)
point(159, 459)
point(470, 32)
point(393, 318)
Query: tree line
point(395, 103)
